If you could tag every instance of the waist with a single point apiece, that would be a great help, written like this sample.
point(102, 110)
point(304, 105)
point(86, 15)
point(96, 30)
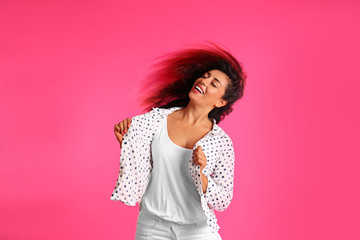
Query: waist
point(150, 218)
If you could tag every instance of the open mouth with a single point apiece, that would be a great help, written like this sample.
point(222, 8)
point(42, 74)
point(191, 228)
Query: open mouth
point(198, 89)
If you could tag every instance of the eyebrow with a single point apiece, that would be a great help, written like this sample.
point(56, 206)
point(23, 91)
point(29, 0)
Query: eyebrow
point(215, 78)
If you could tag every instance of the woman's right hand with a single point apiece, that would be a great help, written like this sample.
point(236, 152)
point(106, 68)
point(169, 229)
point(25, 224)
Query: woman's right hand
point(121, 128)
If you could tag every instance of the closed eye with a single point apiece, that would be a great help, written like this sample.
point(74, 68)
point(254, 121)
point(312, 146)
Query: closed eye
point(205, 74)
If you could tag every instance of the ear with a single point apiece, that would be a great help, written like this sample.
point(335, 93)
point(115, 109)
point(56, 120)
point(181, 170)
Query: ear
point(221, 103)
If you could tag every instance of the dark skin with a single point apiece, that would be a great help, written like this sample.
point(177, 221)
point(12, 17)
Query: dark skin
point(191, 123)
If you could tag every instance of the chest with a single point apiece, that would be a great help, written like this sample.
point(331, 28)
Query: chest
point(183, 135)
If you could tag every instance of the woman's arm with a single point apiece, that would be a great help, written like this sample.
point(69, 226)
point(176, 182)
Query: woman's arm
point(219, 189)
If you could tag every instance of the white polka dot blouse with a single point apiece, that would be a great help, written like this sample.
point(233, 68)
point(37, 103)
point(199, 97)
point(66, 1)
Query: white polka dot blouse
point(136, 164)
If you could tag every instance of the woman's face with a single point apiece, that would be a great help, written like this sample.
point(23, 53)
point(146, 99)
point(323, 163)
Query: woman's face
point(213, 84)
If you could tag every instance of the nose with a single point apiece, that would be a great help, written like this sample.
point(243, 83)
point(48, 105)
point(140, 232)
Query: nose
point(203, 81)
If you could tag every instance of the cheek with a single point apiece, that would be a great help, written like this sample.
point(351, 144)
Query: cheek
point(215, 93)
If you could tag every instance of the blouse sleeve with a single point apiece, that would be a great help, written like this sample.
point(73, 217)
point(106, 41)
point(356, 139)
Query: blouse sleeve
point(219, 191)
point(125, 189)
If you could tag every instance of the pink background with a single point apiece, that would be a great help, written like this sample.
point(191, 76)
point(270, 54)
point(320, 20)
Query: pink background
point(69, 71)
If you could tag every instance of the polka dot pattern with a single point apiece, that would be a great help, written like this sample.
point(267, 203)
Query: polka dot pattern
point(136, 164)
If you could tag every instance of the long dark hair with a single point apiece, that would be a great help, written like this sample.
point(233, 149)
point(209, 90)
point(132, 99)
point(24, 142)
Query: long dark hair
point(171, 78)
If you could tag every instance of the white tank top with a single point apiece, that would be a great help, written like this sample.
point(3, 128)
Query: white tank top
point(171, 193)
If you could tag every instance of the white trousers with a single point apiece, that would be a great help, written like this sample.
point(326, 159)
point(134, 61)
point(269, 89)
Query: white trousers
point(150, 227)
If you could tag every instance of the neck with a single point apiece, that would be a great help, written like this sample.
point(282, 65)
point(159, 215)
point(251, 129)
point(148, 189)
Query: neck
point(195, 115)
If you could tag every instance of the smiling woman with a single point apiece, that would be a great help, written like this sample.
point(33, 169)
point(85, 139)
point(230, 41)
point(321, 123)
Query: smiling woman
point(212, 85)
point(176, 162)
point(215, 82)
point(177, 73)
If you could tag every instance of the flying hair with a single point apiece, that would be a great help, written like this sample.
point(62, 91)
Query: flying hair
point(172, 75)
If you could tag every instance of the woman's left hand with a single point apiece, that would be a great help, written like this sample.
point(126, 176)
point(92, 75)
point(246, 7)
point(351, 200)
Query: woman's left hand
point(200, 158)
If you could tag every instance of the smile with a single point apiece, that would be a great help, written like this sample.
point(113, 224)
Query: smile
point(198, 89)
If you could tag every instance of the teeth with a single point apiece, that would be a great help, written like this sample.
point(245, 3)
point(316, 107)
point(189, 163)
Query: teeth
point(197, 87)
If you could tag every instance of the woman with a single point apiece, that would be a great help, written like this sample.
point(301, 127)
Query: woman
point(175, 161)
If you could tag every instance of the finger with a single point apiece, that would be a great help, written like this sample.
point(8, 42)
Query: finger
point(119, 137)
point(121, 125)
point(126, 125)
point(199, 154)
point(202, 162)
point(196, 160)
point(116, 128)
point(196, 149)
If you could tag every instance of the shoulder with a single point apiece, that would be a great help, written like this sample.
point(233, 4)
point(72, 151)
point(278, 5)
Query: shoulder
point(225, 139)
point(151, 118)
point(143, 124)
point(223, 135)
point(155, 113)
